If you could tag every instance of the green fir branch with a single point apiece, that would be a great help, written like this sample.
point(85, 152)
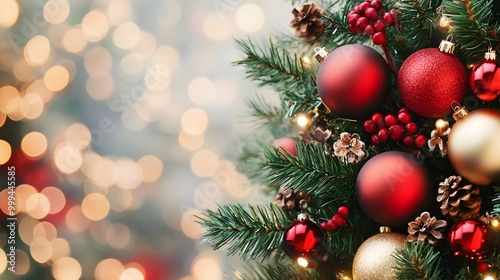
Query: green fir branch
point(252, 232)
point(496, 202)
point(284, 271)
point(418, 260)
point(472, 26)
point(264, 113)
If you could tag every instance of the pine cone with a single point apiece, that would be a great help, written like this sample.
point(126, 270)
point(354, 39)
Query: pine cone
point(307, 21)
point(425, 228)
point(318, 135)
point(458, 199)
point(291, 200)
point(350, 148)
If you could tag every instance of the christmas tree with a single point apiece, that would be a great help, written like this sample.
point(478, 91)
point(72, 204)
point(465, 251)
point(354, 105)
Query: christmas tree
point(380, 160)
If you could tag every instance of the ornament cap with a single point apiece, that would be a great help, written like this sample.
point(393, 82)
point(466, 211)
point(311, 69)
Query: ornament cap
point(321, 54)
point(459, 112)
point(491, 55)
point(302, 217)
point(384, 229)
point(447, 47)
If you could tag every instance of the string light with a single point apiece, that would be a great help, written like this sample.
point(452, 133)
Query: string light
point(495, 223)
point(444, 22)
point(306, 61)
point(302, 262)
point(488, 277)
point(303, 120)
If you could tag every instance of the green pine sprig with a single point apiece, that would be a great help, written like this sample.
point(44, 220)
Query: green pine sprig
point(418, 261)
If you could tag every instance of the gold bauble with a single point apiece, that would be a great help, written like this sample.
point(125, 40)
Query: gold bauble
point(373, 260)
point(474, 147)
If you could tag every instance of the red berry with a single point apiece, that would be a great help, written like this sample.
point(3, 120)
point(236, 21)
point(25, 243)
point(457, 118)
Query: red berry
point(378, 119)
point(388, 18)
point(371, 13)
point(420, 140)
point(396, 132)
point(411, 128)
point(324, 225)
point(374, 140)
point(482, 267)
point(390, 120)
point(379, 25)
point(338, 220)
point(369, 126)
point(369, 29)
point(362, 22)
point(403, 109)
point(353, 18)
point(363, 6)
point(331, 225)
point(343, 211)
point(355, 29)
point(379, 38)
point(408, 141)
point(383, 135)
point(404, 117)
point(356, 9)
point(377, 4)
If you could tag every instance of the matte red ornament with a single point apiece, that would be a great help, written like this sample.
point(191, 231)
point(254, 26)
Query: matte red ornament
point(353, 81)
point(469, 239)
point(302, 237)
point(485, 78)
point(393, 188)
point(430, 80)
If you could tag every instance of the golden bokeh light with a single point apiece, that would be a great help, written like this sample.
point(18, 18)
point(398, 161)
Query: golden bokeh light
point(146, 45)
point(78, 135)
point(3, 118)
point(119, 11)
point(204, 163)
point(24, 71)
point(100, 88)
point(3, 261)
point(108, 269)
point(7, 95)
point(67, 158)
point(189, 226)
point(171, 15)
point(201, 91)
point(60, 249)
point(46, 230)
point(4, 203)
point(191, 142)
point(118, 235)
point(56, 198)
point(76, 220)
point(41, 250)
point(206, 268)
point(132, 64)
point(95, 206)
point(227, 91)
point(249, 17)
point(37, 50)
point(215, 28)
point(74, 40)
point(39, 88)
point(8, 13)
point(22, 262)
point(31, 106)
point(56, 11)
point(37, 206)
point(95, 25)
point(120, 200)
point(26, 226)
point(5, 151)
point(34, 144)
point(126, 35)
point(132, 273)
point(194, 121)
point(167, 55)
point(56, 78)
point(23, 192)
point(152, 168)
point(98, 61)
point(157, 77)
point(130, 174)
point(101, 171)
point(66, 268)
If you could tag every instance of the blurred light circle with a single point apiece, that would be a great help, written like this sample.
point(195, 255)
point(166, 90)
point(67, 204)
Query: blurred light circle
point(95, 25)
point(132, 64)
point(157, 77)
point(206, 268)
point(249, 17)
point(130, 174)
point(31, 106)
point(5, 151)
point(170, 15)
point(8, 13)
point(46, 230)
point(167, 55)
point(146, 45)
point(7, 96)
point(204, 163)
point(22, 262)
point(78, 135)
point(56, 11)
point(56, 197)
point(191, 142)
point(67, 158)
point(24, 71)
point(98, 61)
point(66, 268)
point(215, 28)
point(194, 121)
point(37, 206)
point(151, 167)
point(189, 226)
point(76, 220)
point(119, 11)
point(100, 88)
point(118, 235)
point(34, 144)
point(126, 35)
point(60, 249)
point(108, 269)
point(41, 249)
point(131, 273)
point(56, 78)
point(74, 40)
point(3, 261)
point(201, 91)
point(95, 206)
point(37, 50)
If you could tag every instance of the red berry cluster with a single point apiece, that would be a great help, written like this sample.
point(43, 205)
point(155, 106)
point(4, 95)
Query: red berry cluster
point(370, 17)
point(337, 220)
point(399, 129)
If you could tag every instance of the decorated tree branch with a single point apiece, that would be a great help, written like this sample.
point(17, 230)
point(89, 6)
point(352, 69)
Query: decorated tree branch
point(382, 158)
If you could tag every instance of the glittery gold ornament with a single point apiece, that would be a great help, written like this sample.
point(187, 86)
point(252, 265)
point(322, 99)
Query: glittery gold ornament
point(473, 147)
point(373, 260)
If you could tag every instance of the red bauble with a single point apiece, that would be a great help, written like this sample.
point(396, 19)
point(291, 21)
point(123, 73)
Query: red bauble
point(469, 239)
point(287, 144)
point(485, 78)
point(353, 81)
point(302, 237)
point(430, 80)
point(393, 188)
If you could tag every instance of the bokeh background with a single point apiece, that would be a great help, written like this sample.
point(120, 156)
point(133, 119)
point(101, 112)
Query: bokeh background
point(122, 119)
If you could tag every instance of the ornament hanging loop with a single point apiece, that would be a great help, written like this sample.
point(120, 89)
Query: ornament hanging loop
point(320, 54)
point(459, 111)
point(446, 46)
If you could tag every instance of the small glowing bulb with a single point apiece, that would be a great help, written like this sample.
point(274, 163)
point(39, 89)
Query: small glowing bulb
point(488, 277)
point(442, 126)
point(302, 262)
point(302, 120)
point(444, 22)
point(306, 61)
point(495, 223)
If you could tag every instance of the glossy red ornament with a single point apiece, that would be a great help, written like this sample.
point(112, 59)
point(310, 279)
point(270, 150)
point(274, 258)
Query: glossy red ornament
point(469, 239)
point(484, 78)
point(353, 81)
point(302, 237)
point(287, 144)
point(393, 188)
point(429, 80)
